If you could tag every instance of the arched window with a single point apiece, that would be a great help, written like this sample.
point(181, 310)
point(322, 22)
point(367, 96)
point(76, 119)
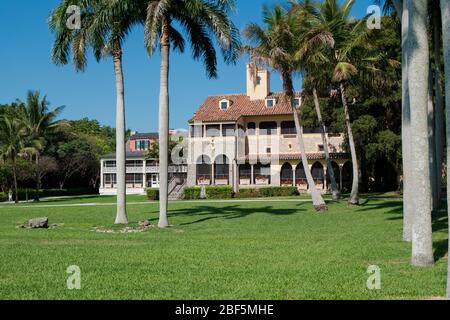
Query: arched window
point(203, 169)
point(286, 175)
point(318, 175)
point(261, 174)
point(221, 170)
point(300, 177)
point(337, 174)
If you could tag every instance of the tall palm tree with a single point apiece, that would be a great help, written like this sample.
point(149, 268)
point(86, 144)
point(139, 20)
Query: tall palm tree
point(276, 46)
point(105, 25)
point(418, 82)
point(39, 123)
point(12, 144)
point(445, 13)
point(349, 37)
point(401, 8)
point(202, 21)
point(315, 38)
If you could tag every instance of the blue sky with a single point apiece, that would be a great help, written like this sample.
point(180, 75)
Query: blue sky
point(25, 65)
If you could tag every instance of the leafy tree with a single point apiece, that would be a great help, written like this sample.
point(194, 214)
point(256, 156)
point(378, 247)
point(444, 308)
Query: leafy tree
point(39, 123)
point(105, 25)
point(12, 144)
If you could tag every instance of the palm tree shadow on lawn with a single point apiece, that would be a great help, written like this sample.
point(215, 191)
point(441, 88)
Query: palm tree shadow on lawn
point(227, 212)
point(395, 212)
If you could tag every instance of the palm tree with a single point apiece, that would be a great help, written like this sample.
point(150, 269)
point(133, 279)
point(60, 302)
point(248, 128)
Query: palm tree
point(315, 39)
point(105, 25)
point(12, 144)
point(277, 46)
point(418, 82)
point(39, 123)
point(348, 38)
point(201, 21)
point(401, 8)
point(445, 13)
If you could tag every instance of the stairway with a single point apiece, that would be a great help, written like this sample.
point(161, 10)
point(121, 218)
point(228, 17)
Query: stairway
point(177, 192)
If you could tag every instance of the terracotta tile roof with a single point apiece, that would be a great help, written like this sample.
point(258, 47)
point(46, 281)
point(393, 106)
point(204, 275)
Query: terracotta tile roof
point(144, 136)
point(309, 156)
point(241, 105)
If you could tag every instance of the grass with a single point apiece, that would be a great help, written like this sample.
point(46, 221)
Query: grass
point(216, 250)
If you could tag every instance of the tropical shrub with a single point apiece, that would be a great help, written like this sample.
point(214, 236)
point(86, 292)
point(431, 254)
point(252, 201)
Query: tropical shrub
point(192, 193)
point(152, 194)
point(222, 192)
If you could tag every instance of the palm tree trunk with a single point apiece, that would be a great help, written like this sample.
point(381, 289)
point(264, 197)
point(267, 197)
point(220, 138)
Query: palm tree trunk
point(353, 200)
point(318, 202)
point(164, 125)
point(334, 188)
point(431, 143)
point(121, 215)
point(418, 82)
point(406, 128)
point(16, 191)
point(438, 103)
point(445, 12)
point(38, 178)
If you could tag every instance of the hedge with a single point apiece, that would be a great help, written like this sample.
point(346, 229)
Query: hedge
point(192, 193)
point(226, 192)
point(267, 192)
point(214, 192)
point(278, 191)
point(3, 197)
point(43, 193)
point(153, 194)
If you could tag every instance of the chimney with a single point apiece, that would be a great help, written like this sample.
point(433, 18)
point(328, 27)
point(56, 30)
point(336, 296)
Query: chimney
point(258, 83)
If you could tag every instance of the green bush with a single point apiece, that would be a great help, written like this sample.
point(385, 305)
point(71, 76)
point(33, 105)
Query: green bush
point(247, 193)
point(192, 193)
point(222, 192)
point(3, 197)
point(278, 191)
point(152, 194)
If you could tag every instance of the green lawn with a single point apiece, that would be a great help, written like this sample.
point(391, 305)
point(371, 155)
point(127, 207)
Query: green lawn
point(216, 250)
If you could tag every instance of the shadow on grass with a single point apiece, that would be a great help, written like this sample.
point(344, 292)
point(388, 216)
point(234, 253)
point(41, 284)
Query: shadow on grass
point(206, 213)
point(395, 211)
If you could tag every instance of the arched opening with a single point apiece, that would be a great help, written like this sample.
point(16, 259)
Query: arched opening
point(318, 175)
point(262, 174)
point(337, 174)
point(203, 169)
point(286, 175)
point(221, 170)
point(300, 177)
point(245, 174)
point(347, 176)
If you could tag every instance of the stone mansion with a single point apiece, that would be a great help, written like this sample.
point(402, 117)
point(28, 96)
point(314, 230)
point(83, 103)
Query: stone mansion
point(242, 140)
point(249, 140)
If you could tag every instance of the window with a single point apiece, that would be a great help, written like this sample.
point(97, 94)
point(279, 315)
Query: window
point(251, 129)
point(109, 164)
point(224, 104)
point(213, 130)
point(258, 80)
point(134, 163)
point(270, 103)
point(268, 128)
point(197, 131)
point(297, 102)
point(268, 150)
point(228, 130)
point(288, 127)
point(320, 147)
point(142, 145)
